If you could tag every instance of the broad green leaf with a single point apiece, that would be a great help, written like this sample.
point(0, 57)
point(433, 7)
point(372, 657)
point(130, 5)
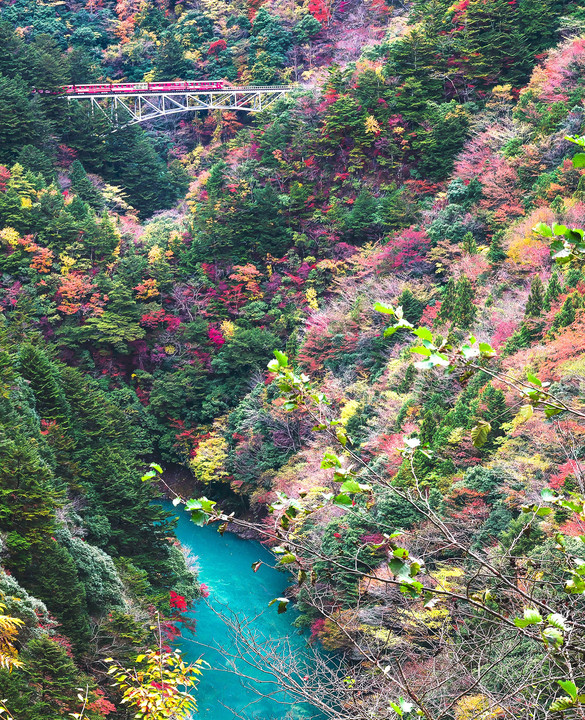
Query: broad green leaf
point(421, 350)
point(531, 617)
point(533, 379)
point(548, 495)
point(553, 636)
point(542, 229)
point(350, 486)
point(287, 559)
point(192, 504)
point(398, 568)
point(199, 517)
point(273, 366)
point(486, 349)
point(400, 553)
point(558, 621)
point(386, 309)
point(569, 687)
point(342, 500)
point(563, 703)
point(330, 460)
point(282, 358)
point(579, 160)
point(282, 604)
point(480, 432)
point(559, 229)
point(176, 501)
point(397, 709)
point(424, 334)
point(523, 415)
point(156, 467)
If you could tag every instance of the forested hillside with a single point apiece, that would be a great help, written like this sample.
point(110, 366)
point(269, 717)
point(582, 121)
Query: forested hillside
point(404, 229)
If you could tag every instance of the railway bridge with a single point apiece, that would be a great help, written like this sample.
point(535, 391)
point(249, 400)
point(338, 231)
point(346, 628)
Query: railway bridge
point(131, 103)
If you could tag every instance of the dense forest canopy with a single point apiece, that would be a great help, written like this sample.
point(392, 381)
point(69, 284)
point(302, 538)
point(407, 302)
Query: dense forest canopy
point(422, 184)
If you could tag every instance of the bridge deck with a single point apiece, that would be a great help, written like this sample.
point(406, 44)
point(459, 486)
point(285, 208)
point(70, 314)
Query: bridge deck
point(129, 108)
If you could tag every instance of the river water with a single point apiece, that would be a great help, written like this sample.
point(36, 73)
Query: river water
point(225, 567)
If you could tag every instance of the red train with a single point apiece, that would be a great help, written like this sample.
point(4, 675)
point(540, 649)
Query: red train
point(129, 88)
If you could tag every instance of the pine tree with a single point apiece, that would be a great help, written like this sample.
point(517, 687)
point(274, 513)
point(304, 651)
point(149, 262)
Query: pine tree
point(428, 428)
point(535, 302)
point(170, 63)
point(448, 302)
point(407, 381)
point(496, 253)
point(83, 187)
point(574, 276)
point(54, 580)
point(43, 377)
point(553, 290)
point(470, 243)
point(565, 316)
point(411, 306)
point(464, 311)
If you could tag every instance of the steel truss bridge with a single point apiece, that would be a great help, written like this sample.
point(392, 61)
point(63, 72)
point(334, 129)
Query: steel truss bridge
point(143, 106)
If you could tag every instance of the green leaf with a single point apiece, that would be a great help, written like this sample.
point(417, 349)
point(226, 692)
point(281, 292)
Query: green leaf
point(563, 703)
point(579, 160)
point(397, 709)
point(551, 411)
point(398, 568)
point(156, 467)
point(421, 350)
point(400, 553)
point(273, 366)
point(531, 617)
point(548, 495)
point(569, 687)
point(386, 309)
point(350, 486)
point(148, 476)
point(176, 501)
point(558, 621)
point(553, 636)
point(486, 349)
point(199, 517)
point(192, 504)
point(342, 500)
point(533, 379)
point(282, 358)
point(330, 460)
point(424, 334)
point(287, 559)
point(282, 604)
point(480, 432)
point(542, 229)
point(543, 512)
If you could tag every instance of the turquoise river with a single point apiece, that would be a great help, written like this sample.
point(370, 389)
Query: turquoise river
point(225, 567)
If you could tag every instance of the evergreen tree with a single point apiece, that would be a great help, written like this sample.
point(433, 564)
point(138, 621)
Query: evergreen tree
point(565, 316)
point(574, 276)
point(464, 311)
point(553, 290)
point(469, 243)
point(428, 428)
point(36, 161)
point(170, 63)
point(83, 187)
point(55, 582)
point(535, 302)
point(411, 306)
point(496, 252)
point(448, 301)
point(43, 377)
